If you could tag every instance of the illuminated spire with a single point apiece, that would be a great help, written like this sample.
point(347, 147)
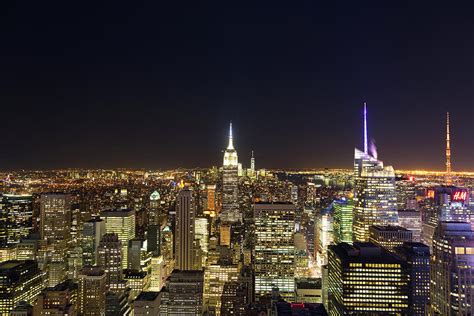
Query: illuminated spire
point(231, 144)
point(448, 152)
point(366, 150)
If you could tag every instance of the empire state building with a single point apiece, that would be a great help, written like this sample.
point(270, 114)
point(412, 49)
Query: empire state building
point(230, 194)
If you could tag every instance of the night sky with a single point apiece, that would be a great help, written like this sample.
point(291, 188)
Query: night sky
point(147, 85)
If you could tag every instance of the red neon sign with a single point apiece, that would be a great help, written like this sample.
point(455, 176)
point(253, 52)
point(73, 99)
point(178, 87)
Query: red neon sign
point(459, 196)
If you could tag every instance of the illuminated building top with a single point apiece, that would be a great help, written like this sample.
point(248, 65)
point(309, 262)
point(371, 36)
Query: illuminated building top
point(230, 155)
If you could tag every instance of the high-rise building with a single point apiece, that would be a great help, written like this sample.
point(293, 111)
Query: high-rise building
point(389, 237)
point(201, 236)
point(215, 278)
point(342, 223)
point(324, 235)
point(452, 269)
point(157, 273)
point(122, 223)
point(58, 300)
point(274, 262)
point(154, 211)
point(16, 217)
point(55, 211)
point(230, 181)
point(184, 228)
point(183, 293)
point(211, 197)
point(365, 279)
point(20, 280)
point(92, 290)
point(110, 259)
point(92, 233)
point(374, 191)
point(406, 196)
point(417, 257)
point(411, 220)
point(139, 258)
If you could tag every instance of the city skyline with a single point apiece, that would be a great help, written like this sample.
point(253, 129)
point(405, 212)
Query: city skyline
point(130, 86)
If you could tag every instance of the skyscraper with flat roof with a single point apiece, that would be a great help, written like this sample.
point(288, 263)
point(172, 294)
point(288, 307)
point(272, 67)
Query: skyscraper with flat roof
point(417, 257)
point(20, 280)
point(92, 291)
point(110, 259)
point(452, 269)
point(183, 293)
point(122, 223)
point(274, 262)
point(365, 279)
point(184, 236)
point(389, 237)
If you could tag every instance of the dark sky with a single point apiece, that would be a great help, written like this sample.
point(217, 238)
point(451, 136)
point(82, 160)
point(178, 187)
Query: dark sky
point(147, 85)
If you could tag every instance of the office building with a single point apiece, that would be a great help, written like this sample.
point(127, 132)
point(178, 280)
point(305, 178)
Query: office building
point(91, 292)
point(324, 235)
point(230, 184)
point(16, 217)
point(366, 279)
point(411, 220)
point(452, 269)
point(122, 223)
point(20, 280)
point(343, 220)
point(92, 233)
point(389, 237)
point(110, 260)
point(215, 278)
point(374, 191)
point(406, 196)
point(309, 290)
point(417, 257)
point(55, 210)
point(274, 262)
point(211, 197)
point(184, 228)
point(183, 293)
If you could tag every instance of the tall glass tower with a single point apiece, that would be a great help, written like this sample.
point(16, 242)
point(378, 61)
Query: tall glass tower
point(375, 196)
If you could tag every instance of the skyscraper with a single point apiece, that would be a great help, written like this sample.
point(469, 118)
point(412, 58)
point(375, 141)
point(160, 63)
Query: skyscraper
point(417, 257)
point(122, 223)
point(55, 211)
point(16, 212)
point(452, 269)
point(92, 233)
point(20, 280)
point(92, 290)
point(184, 236)
point(374, 192)
point(274, 249)
point(365, 279)
point(183, 294)
point(230, 180)
point(110, 259)
point(215, 278)
point(343, 217)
